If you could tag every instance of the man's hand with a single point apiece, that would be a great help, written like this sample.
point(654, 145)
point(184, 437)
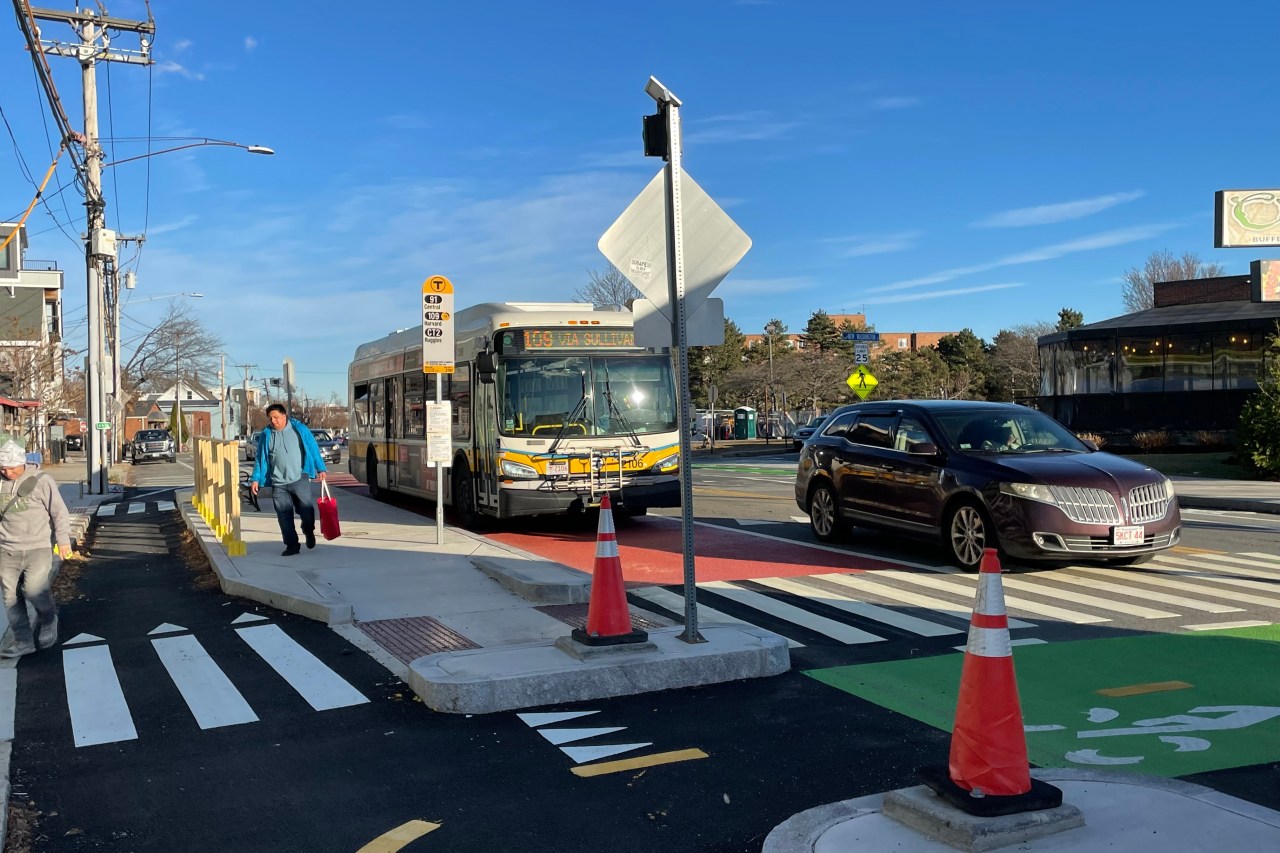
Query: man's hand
point(63, 551)
point(253, 487)
point(321, 476)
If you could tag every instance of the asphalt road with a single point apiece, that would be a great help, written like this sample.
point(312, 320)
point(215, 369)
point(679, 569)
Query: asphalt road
point(858, 712)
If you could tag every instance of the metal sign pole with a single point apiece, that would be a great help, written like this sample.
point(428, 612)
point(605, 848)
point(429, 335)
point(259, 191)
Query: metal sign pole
point(439, 472)
point(670, 105)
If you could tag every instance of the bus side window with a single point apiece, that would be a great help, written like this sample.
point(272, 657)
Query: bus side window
point(459, 393)
point(360, 407)
point(415, 415)
point(376, 408)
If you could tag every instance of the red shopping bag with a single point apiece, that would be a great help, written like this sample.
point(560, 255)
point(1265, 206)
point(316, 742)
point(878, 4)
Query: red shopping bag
point(329, 527)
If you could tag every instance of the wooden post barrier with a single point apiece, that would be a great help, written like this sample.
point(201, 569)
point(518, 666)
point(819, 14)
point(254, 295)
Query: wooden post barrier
point(217, 491)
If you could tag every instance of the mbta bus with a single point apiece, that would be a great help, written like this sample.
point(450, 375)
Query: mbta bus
point(553, 405)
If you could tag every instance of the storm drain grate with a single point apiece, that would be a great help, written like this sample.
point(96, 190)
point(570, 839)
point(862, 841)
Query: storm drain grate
point(576, 615)
point(412, 637)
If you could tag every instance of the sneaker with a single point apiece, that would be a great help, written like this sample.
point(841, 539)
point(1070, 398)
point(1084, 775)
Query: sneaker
point(291, 551)
point(17, 650)
point(47, 634)
point(311, 538)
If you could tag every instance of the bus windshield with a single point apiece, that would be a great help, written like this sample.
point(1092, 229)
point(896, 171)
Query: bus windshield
point(616, 396)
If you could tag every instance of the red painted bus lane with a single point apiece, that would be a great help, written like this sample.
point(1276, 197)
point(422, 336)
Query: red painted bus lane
point(651, 552)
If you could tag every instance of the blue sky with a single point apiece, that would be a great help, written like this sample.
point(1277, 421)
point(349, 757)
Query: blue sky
point(941, 164)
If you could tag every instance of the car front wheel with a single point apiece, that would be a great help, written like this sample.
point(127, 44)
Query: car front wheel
point(966, 534)
point(824, 514)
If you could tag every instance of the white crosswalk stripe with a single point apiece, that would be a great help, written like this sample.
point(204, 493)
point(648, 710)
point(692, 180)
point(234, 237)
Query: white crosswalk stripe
point(100, 714)
point(1186, 584)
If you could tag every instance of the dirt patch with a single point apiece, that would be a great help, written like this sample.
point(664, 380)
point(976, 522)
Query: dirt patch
point(24, 827)
point(195, 559)
point(66, 583)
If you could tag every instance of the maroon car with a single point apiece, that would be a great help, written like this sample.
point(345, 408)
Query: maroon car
point(977, 475)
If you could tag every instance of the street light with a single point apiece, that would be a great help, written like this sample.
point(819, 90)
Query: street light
point(770, 329)
point(252, 149)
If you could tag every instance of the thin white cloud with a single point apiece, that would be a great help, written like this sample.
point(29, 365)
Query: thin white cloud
point(937, 294)
point(181, 45)
point(250, 43)
point(1119, 237)
point(167, 227)
point(874, 244)
point(895, 103)
point(1047, 214)
point(171, 67)
point(751, 126)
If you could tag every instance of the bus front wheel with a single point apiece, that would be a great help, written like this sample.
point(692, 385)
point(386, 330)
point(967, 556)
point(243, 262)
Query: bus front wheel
point(464, 497)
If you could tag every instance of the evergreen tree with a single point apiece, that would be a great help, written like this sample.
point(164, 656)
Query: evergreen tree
point(1258, 434)
point(179, 431)
point(1069, 319)
point(821, 334)
point(967, 356)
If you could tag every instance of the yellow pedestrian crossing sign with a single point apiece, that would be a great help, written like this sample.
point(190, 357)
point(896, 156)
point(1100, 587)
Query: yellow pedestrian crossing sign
point(861, 381)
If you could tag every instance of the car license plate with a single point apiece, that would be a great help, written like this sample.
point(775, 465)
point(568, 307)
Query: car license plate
point(1127, 535)
point(557, 469)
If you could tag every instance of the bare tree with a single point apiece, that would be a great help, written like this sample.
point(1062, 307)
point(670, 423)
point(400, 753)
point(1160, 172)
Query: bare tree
point(1139, 290)
point(1015, 361)
point(610, 287)
point(179, 346)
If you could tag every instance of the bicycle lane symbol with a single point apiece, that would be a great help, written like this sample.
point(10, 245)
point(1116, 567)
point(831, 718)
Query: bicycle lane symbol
point(1171, 730)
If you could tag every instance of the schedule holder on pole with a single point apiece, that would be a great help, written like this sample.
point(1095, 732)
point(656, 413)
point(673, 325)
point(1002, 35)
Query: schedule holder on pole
point(437, 358)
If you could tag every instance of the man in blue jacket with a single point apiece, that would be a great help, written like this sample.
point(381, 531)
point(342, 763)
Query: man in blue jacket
point(288, 459)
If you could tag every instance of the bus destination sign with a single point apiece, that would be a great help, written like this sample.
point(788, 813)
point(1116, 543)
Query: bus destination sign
point(437, 325)
point(568, 339)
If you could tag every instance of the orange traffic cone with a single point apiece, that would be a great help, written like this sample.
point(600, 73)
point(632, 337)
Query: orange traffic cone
point(988, 774)
point(988, 744)
point(608, 617)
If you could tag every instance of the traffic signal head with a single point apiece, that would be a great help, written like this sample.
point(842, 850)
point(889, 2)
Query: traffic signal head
point(656, 142)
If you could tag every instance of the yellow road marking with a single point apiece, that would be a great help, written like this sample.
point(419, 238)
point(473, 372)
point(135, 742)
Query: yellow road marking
point(1139, 689)
point(390, 842)
point(638, 762)
point(1187, 549)
point(728, 493)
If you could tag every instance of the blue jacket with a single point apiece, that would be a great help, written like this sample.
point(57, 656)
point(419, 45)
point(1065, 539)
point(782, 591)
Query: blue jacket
point(312, 464)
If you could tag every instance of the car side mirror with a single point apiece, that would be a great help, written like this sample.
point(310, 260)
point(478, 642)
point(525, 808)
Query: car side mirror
point(1089, 443)
point(923, 448)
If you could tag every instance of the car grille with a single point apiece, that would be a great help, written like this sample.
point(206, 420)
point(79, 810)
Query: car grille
point(1102, 543)
point(153, 446)
point(1086, 506)
point(1149, 503)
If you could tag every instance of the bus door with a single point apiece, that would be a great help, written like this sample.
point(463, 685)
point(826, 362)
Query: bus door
point(486, 444)
point(391, 418)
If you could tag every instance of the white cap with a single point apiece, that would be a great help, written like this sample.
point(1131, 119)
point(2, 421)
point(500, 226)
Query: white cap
point(12, 454)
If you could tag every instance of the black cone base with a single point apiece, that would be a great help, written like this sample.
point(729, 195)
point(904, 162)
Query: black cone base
point(1041, 796)
point(586, 639)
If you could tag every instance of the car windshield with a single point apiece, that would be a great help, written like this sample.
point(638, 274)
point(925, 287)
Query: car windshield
point(322, 435)
point(815, 423)
point(1005, 431)
point(151, 435)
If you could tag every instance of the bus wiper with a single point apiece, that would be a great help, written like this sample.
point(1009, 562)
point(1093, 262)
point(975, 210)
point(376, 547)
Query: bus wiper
point(580, 408)
point(615, 411)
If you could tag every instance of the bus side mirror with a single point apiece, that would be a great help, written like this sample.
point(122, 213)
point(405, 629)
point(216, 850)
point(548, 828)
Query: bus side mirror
point(484, 368)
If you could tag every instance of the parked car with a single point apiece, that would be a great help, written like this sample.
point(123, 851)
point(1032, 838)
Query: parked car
point(330, 449)
point(75, 441)
point(152, 444)
point(982, 475)
point(804, 433)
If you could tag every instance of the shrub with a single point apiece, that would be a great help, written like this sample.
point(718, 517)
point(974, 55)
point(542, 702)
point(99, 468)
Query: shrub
point(1211, 438)
point(1094, 437)
point(1258, 436)
point(1150, 440)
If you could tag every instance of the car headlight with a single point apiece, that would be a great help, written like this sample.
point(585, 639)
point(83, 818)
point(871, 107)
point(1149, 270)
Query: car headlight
point(518, 471)
point(667, 464)
point(1030, 491)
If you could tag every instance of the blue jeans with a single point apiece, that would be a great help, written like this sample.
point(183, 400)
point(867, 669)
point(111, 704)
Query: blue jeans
point(27, 576)
point(288, 498)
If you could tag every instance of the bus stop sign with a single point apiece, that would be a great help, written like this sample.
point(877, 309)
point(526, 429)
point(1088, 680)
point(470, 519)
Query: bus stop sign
point(437, 325)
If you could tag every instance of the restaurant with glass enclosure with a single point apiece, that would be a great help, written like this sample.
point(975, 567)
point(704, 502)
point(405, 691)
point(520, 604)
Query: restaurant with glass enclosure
point(1186, 365)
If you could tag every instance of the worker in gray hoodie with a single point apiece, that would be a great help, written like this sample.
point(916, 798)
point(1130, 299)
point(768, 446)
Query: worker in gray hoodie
point(33, 517)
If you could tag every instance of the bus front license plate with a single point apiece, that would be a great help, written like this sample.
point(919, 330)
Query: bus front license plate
point(558, 469)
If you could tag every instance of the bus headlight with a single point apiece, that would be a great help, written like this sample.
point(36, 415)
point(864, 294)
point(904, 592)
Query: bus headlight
point(667, 464)
point(517, 471)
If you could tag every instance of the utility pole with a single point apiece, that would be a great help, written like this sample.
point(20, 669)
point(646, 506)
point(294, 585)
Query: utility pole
point(222, 394)
point(100, 244)
point(244, 404)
